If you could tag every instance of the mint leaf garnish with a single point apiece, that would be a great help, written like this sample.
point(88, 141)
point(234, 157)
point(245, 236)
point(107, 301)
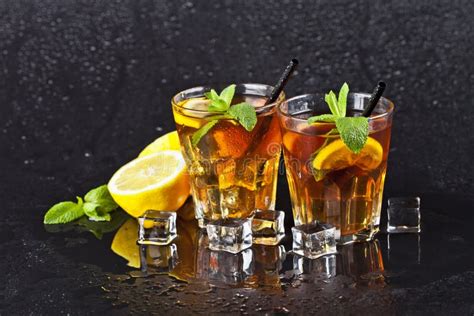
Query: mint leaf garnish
point(342, 99)
point(331, 100)
point(218, 106)
point(322, 118)
point(228, 94)
point(354, 132)
point(245, 114)
point(196, 138)
point(212, 95)
point(64, 212)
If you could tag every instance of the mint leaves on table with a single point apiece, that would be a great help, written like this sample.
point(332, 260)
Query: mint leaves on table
point(83, 224)
point(244, 113)
point(354, 131)
point(64, 212)
point(97, 204)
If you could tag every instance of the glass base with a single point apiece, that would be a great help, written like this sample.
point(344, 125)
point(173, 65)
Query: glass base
point(361, 236)
point(403, 229)
point(231, 235)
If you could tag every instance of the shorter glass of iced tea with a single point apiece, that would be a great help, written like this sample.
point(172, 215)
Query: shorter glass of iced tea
point(329, 183)
point(233, 171)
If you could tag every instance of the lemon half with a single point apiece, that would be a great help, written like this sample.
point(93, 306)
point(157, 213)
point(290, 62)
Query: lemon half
point(168, 141)
point(157, 181)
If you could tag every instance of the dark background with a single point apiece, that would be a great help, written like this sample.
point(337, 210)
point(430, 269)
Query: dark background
point(85, 85)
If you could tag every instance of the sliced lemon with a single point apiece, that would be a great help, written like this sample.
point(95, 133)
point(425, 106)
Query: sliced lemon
point(168, 141)
point(187, 117)
point(336, 156)
point(155, 182)
point(125, 243)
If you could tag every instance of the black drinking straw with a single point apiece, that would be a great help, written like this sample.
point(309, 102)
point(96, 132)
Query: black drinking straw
point(374, 98)
point(282, 81)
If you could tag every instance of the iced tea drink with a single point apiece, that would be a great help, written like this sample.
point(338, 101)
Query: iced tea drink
point(233, 171)
point(328, 182)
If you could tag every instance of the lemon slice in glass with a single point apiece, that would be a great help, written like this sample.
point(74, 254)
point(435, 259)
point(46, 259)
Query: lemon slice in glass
point(336, 156)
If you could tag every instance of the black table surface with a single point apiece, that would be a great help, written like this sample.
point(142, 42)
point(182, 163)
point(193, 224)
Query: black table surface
point(85, 85)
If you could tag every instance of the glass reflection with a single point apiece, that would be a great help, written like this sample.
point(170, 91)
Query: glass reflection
point(220, 267)
point(362, 262)
point(268, 263)
point(189, 259)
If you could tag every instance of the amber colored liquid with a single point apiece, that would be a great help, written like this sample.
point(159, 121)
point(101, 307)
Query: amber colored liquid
point(233, 171)
point(348, 198)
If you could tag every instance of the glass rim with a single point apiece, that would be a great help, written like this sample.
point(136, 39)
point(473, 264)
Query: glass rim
point(259, 109)
point(389, 110)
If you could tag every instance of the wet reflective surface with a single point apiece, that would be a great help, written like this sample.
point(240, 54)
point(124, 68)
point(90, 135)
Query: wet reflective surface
point(85, 87)
point(393, 273)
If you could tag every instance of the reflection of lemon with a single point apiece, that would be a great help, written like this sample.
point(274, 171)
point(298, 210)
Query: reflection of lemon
point(186, 212)
point(125, 243)
point(155, 182)
point(337, 156)
point(168, 141)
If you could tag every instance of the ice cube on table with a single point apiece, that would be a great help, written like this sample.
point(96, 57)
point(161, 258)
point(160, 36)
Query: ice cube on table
point(404, 215)
point(268, 227)
point(314, 240)
point(406, 202)
point(231, 235)
point(157, 227)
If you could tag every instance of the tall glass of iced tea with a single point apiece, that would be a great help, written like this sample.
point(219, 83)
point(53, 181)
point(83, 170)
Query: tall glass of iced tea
point(329, 183)
point(233, 171)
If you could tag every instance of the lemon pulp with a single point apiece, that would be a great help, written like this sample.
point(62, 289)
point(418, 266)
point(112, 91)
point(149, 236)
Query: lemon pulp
point(336, 156)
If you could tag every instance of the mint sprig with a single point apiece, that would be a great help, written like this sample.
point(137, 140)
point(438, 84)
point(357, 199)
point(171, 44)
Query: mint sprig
point(64, 212)
point(97, 204)
point(354, 131)
point(244, 113)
